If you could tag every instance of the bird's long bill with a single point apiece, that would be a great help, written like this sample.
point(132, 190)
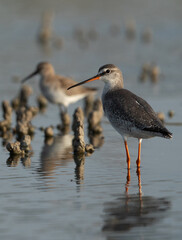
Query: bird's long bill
point(88, 80)
point(29, 76)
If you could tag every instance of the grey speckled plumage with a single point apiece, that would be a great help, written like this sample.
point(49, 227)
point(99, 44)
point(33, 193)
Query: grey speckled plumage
point(132, 116)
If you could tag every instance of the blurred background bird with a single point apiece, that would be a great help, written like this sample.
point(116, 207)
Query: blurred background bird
point(54, 87)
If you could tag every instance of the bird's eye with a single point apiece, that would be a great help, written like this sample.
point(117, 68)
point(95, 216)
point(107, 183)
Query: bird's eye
point(108, 71)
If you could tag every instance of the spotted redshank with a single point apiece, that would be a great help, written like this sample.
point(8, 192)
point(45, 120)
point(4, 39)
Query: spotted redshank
point(54, 87)
point(130, 115)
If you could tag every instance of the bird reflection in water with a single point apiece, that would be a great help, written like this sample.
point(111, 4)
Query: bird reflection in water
point(129, 211)
point(139, 182)
point(56, 152)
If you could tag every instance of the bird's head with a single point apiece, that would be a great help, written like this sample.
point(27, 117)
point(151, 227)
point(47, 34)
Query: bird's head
point(43, 68)
point(108, 73)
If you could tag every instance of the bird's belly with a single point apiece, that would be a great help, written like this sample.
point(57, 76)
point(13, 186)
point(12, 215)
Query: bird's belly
point(127, 129)
point(57, 96)
point(52, 95)
point(75, 98)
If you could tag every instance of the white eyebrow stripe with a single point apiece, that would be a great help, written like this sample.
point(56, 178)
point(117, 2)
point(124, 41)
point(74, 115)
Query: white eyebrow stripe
point(102, 71)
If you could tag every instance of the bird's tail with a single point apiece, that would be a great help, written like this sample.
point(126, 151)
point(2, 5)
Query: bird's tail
point(167, 134)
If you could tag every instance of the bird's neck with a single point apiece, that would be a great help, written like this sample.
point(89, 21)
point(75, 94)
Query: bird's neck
point(48, 73)
point(47, 76)
point(112, 85)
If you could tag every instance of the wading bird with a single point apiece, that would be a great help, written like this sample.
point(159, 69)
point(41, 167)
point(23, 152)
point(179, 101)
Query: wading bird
point(130, 115)
point(54, 87)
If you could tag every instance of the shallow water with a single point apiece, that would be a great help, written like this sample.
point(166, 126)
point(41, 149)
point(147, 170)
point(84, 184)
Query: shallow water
point(46, 196)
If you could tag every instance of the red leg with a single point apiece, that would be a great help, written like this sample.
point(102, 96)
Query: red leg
point(127, 154)
point(139, 152)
